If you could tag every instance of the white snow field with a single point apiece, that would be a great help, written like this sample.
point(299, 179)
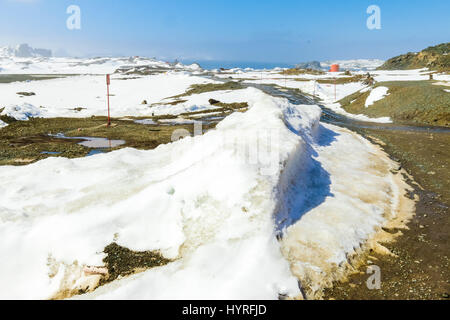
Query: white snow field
point(212, 203)
point(61, 97)
point(10, 64)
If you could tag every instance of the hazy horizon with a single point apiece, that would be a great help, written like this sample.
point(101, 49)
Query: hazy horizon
point(285, 32)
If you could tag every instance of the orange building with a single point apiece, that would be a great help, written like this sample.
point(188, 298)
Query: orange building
point(334, 68)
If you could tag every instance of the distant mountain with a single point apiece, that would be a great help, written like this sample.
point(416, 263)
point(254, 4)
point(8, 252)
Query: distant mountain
point(24, 51)
point(433, 58)
point(314, 65)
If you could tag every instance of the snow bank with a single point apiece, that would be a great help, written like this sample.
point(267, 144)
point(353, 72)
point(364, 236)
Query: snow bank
point(376, 94)
point(22, 112)
point(2, 124)
point(349, 195)
point(206, 201)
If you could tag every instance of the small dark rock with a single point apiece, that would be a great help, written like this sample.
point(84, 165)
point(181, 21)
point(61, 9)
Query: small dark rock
point(213, 102)
point(26, 94)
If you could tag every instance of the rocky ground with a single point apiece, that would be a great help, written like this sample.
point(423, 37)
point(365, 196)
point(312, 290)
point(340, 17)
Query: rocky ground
point(435, 58)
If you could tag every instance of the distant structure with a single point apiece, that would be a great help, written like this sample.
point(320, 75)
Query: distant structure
point(334, 68)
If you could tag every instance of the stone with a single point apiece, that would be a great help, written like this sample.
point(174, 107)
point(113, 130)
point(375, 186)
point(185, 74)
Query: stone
point(213, 102)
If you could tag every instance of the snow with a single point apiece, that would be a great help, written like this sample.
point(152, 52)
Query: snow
point(307, 84)
point(22, 112)
point(171, 199)
point(336, 107)
point(212, 203)
point(146, 122)
point(24, 50)
point(60, 97)
point(354, 65)
point(325, 92)
point(376, 94)
point(401, 75)
point(26, 60)
point(2, 124)
point(200, 102)
point(349, 192)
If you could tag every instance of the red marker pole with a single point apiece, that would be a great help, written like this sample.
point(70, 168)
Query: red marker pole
point(108, 82)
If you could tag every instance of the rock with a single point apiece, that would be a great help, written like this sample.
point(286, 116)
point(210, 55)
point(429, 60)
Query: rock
point(26, 94)
point(144, 102)
point(213, 102)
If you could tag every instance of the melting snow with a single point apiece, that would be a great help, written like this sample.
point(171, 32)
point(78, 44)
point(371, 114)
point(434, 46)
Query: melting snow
point(375, 95)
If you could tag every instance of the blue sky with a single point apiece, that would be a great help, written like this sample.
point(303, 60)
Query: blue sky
point(287, 31)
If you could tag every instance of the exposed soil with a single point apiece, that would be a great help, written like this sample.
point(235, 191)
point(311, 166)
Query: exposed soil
point(417, 102)
point(8, 78)
point(122, 261)
point(25, 142)
point(297, 71)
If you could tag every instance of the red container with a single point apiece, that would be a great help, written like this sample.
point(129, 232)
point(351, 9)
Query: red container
point(334, 68)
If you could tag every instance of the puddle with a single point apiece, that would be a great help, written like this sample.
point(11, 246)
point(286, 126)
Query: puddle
point(95, 151)
point(94, 143)
point(50, 152)
point(100, 142)
point(166, 122)
point(146, 122)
